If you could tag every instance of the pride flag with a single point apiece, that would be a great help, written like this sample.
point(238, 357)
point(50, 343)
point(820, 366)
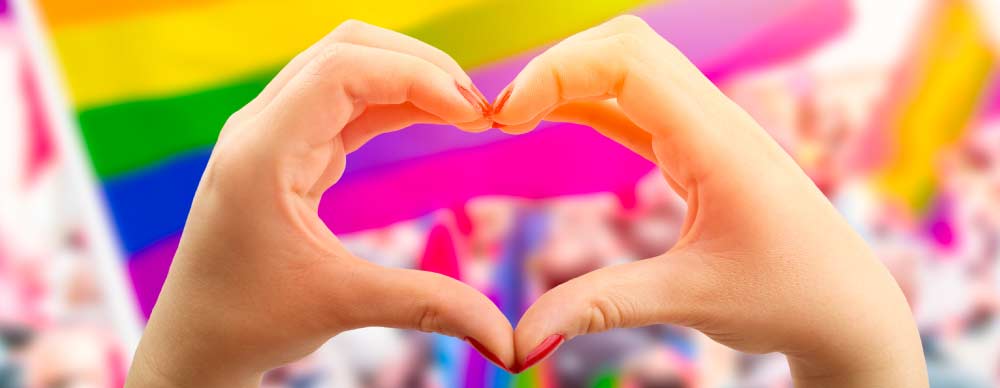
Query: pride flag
point(151, 84)
point(936, 98)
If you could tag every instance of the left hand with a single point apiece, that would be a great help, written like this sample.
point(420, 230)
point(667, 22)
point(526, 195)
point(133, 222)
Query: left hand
point(764, 262)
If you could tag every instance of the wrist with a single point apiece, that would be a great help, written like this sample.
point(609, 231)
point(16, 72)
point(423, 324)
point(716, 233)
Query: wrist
point(149, 370)
point(806, 374)
point(884, 358)
point(185, 354)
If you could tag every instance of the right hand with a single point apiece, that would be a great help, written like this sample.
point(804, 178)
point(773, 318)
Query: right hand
point(258, 279)
point(764, 262)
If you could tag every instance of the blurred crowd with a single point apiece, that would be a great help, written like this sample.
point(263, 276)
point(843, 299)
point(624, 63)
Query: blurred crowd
point(56, 330)
point(54, 326)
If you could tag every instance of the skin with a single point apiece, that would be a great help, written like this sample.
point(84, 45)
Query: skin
point(764, 263)
point(259, 280)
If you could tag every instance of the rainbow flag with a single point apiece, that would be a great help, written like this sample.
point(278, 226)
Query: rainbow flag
point(151, 84)
point(936, 97)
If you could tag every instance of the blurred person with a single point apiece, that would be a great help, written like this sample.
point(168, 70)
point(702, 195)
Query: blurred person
point(660, 367)
point(654, 224)
point(13, 340)
point(493, 217)
point(593, 231)
point(970, 336)
point(580, 239)
point(764, 263)
point(410, 370)
point(77, 357)
point(397, 245)
point(819, 117)
point(971, 183)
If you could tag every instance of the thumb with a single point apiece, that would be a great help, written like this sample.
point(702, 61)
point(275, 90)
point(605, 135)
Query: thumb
point(431, 302)
point(667, 289)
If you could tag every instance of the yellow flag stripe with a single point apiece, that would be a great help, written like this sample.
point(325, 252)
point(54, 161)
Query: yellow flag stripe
point(950, 75)
point(187, 49)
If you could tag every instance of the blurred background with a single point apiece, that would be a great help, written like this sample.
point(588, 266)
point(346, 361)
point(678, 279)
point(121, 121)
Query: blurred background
point(109, 110)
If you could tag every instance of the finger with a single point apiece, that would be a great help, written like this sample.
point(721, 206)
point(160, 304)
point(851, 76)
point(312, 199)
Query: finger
point(336, 164)
point(379, 119)
point(281, 79)
point(430, 302)
point(340, 83)
point(364, 34)
point(523, 128)
point(682, 115)
point(607, 114)
point(607, 118)
point(624, 24)
point(631, 26)
point(533, 94)
point(674, 288)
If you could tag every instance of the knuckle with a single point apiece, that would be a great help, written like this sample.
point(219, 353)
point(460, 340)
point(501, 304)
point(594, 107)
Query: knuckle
point(629, 23)
point(603, 314)
point(430, 315)
point(332, 55)
point(555, 63)
point(232, 122)
point(429, 319)
point(627, 42)
point(347, 29)
point(335, 50)
point(220, 172)
point(235, 119)
point(552, 65)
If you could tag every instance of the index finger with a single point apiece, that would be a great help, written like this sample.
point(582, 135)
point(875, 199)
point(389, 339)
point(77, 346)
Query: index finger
point(694, 128)
point(346, 79)
point(364, 34)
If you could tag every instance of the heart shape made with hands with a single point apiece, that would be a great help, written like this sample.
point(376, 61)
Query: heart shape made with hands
point(291, 142)
point(571, 82)
point(535, 95)
point(383, 81)
point(733, 274)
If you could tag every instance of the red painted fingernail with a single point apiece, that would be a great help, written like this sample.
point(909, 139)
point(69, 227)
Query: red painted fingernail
point(485, 352)
point(543, 350)
point(474, 98)
point(482, 98)
point(498, 105)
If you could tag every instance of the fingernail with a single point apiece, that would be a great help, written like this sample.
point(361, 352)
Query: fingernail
point(474, 98)
point(503, 99)
point(543, 350)
point(481, 96)
point(485, 352)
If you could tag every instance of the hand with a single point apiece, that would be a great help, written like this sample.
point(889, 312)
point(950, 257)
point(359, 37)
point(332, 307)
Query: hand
point(258, 279)
point(764, 262)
